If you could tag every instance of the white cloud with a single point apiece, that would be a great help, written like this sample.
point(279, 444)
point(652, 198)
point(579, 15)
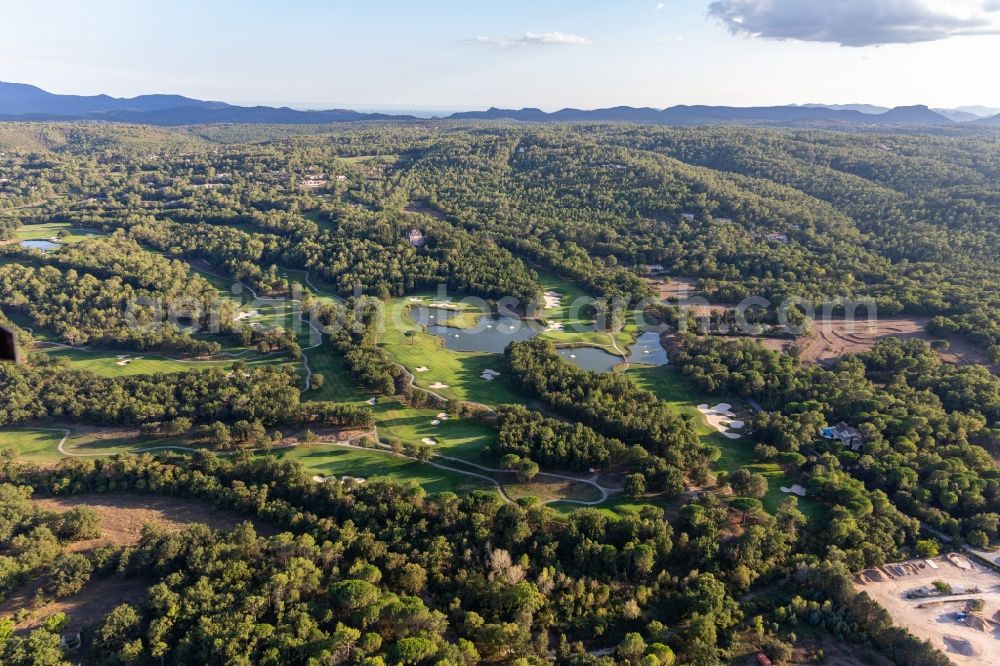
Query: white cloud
point(535, 38)
point(859, 22)
point(660, 6)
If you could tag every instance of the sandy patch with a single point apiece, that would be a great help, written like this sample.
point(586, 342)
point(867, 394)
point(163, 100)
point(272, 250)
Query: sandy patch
point(429, 441)
point(555, 326)
point(720, 417)
point(795, 490)
point(937, 618)
point(552, 299)
point(246, 315)
point(438, 385)
point(436, 422)
point(443, 416)
point(421, 369)
point(489, 374)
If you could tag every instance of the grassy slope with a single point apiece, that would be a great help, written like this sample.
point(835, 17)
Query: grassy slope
point(34, 445)
point(665, 382)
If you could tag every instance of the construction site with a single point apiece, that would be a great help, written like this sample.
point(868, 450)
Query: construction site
point(951, 601)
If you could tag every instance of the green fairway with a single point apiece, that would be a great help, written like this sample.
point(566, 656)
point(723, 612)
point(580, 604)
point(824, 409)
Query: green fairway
point(459, 438)
point(107, 363)
point(616, 506)
point(35, 445)
point(458, 371)
point(338, 385)
point(48, 230)
point(40, 445)
point(331, 460)
point(665, 382)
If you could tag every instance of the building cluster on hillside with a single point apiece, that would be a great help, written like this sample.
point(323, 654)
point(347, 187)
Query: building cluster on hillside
point(848, 435)
point(416, 237)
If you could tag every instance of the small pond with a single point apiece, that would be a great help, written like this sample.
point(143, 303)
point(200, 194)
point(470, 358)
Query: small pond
point(647, 350)
point(591, 358)
point(42, 245)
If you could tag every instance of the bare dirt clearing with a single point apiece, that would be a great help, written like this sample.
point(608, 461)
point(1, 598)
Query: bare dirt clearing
point(122, 516)
point(84, 608)
point(422, 208)
point(833, 339)
point(936, 618)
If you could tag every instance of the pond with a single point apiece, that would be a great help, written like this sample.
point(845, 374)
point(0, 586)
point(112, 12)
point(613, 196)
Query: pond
point(42, 245)
point(491, 334)
point(591, 358)
point(647, 350)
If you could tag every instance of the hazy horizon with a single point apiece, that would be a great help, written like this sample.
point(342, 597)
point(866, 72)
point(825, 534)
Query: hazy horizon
point(552, 54)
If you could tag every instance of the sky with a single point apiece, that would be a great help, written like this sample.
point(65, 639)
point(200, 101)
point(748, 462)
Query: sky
point(444, 54)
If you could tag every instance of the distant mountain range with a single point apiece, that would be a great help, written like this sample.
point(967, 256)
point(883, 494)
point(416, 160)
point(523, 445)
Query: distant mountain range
point(20, 101)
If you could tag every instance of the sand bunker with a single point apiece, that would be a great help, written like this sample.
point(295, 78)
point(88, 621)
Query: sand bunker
point(125, 360)
point(422, 369)
point(489, 374)
point(247, 315)
point(445, 305)
point(443, 416)
point(438, 385)
point(371, 401)
point(429, 441)
point(436, 422)
point(555, 326)
point(552, 299)
point(720, 418)
point(795, 490)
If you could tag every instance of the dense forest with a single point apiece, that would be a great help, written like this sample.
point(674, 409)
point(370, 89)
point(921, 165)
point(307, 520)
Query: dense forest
point(180, 243)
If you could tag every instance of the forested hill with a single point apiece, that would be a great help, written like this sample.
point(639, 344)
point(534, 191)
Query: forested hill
point(25, 102)
point(910, 221)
